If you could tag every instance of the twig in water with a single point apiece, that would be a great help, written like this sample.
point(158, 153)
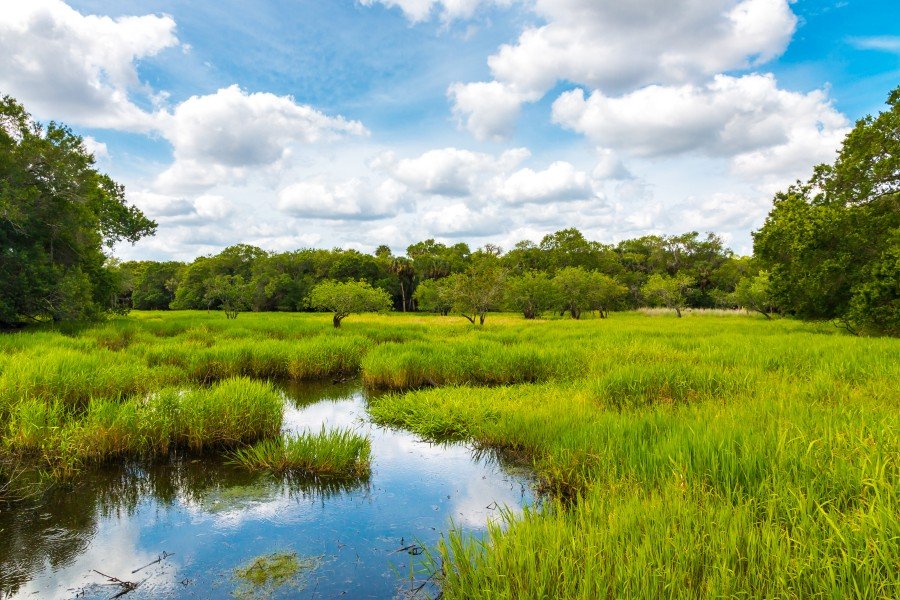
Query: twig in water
point(162, 557)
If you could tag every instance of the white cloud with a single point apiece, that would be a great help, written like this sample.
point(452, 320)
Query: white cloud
point(619, 46)
point(763, 128)
point(422, 10)
point(460, 220)
point(448, 171)
point(353, 199)
point(559, 182)
point(222, 136)
point(173, 210)
point(883, 43)
point(610, 166)
point(79, 68)
point(488, 109)
point(92, 146)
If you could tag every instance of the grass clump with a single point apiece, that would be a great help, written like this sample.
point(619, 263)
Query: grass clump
point(334, 453)
point(232, 412)
point(265, 575)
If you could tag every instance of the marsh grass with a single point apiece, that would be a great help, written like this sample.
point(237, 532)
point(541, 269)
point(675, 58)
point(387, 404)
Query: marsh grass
point(692, 458)
point(717, 455)
point(334, 453)
point(232, 412)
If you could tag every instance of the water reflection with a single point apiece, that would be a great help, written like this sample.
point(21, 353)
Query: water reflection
point(213, 517)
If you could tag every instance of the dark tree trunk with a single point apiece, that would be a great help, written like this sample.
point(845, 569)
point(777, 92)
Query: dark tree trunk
point(336, 320)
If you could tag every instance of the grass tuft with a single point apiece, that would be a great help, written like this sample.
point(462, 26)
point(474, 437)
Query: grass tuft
point(330, 453)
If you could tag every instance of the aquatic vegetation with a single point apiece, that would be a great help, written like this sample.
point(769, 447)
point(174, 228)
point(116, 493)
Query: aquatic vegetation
point(713, 455)
point(330, 453)
point(729, 460)
point(232, 412)
point(264, 575)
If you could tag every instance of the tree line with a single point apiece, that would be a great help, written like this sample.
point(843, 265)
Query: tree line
point(565, 272)
point(829, 250)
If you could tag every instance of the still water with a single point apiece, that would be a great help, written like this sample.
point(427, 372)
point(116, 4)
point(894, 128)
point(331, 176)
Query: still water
point(204, 519)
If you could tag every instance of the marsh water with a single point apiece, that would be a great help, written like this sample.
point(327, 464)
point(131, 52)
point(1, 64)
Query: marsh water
point(180, 528)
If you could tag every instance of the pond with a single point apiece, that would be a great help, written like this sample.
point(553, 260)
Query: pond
point(191, 528)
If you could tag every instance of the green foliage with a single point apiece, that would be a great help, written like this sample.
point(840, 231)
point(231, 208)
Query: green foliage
point(831, 245)
point(434, 295)
point(57, 213)
point(753, 294)
point(531, 293)
point(478, 290)
point(230, 292)
point(336, 453)
point(668, 291)
point(344, 299)
point(573, 287)
point(718, 457)
point(154, 284)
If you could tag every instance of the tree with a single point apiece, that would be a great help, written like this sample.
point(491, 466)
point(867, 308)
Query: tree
point(752, 293)
point(155, 284)
point(344, 299)
point(405, 271)
point(57, 215)
point(604, 293)
point(231, 293)
point(668, 290)
point(830, 245)
point(478, 290)
point(573, 288)
point(434, 295)
point(531, 293)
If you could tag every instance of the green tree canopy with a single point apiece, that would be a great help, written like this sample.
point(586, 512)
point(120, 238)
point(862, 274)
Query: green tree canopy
point(831, 245)
point(531, 293)
point(667, 290)
point(57, 213)
point(434, 295)
point(344, 299)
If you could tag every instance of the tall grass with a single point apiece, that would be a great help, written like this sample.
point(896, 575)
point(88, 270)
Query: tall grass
point(716, 455)
point(232, 412)
point(330, 453)
point(739, 460)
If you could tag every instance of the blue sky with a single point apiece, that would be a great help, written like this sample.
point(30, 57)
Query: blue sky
point(299, 123)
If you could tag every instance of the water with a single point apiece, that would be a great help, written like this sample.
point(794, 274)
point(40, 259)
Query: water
point(205, 518)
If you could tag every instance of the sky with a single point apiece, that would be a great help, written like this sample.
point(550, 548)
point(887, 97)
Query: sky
point(353, 123)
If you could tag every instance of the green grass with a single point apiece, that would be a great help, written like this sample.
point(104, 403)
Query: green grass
point(230, 413)
point(717, 458)
point(330, 453)
point(710, 456)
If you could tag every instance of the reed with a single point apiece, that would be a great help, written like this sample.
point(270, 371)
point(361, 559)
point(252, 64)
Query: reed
point(335, 453)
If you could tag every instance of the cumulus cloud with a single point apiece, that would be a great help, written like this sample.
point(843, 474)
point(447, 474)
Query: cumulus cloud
point(208, 208)
point(353, 199)
point(92, 146)
point(79, 68)
point(488, 109)
point(221, 136)
point(448, 171)
point(560, 182)
point(461, 220)
point(619, 46)
point(762, 127)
